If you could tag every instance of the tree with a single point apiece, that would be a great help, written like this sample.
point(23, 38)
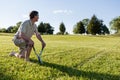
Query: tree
point(48, 28)
point(85, 22)
point(75, 29)
point(115, 24)
point(9, 29)
point(94, 26)
point(62, 28)
point(45, 28)
point(3, 30)
point(105, 30)
point(79, 28)
point(41, 28)
point(15, 28)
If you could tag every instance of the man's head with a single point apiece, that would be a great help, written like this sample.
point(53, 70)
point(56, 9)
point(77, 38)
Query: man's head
point(34, 15)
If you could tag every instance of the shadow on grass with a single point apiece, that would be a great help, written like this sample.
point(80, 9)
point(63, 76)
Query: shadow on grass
point(79, 73)
point(5, 77)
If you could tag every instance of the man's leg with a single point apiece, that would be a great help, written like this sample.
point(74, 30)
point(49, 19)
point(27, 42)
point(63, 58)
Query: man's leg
point(13, 54)
point(28, 51)
point(22, 47)
point(21, 54)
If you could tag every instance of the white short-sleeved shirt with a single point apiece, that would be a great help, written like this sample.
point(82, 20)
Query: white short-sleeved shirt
point(27, 28)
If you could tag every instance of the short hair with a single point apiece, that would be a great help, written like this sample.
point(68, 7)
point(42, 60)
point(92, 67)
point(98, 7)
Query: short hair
point(33, 14)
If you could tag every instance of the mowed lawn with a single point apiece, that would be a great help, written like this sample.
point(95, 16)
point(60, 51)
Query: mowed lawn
point(69, 57)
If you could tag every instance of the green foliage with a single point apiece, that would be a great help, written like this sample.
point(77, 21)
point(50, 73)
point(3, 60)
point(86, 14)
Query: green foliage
point(49, 29)
point(62, 28)
point(79, 28)
point(45, 28)
point(9, 29)
point(3, 30)
point(13, 29)
point(65, 58)
point(115, 24)
point(94, 26)
point(85, 22)
point(41, 28)
point(104, 30)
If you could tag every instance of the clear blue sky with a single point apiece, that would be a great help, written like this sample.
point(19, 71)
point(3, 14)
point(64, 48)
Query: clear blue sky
point(57, 11)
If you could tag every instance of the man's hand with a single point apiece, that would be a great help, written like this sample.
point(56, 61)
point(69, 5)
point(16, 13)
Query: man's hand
point(43, 45)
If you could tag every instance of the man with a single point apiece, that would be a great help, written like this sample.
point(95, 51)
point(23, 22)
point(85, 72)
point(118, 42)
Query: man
point(22, 38)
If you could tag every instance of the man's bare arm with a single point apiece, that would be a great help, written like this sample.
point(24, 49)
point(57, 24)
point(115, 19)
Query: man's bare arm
point(40, 39)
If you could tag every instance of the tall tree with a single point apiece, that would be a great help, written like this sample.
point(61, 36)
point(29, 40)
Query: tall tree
point(62, 28)
point(9, 29)
point(15, 28)
point(115, 24)
point(85, 22)
point(45, 28)
point(94, 26)
point(48, 28)
point(79, 28)
point(104, 29)
point(41, 28)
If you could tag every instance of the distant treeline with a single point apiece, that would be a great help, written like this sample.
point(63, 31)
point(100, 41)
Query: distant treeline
point(86, 26)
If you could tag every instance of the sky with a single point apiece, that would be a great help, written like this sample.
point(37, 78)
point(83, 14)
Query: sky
point(56, 11)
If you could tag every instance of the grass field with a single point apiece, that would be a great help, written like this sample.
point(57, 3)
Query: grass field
point(70, 57)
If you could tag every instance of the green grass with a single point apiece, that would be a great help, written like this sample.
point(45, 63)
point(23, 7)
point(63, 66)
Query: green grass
point(71, 57)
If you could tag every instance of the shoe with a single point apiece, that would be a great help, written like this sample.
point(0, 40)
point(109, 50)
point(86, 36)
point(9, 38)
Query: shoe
point(12, 54)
